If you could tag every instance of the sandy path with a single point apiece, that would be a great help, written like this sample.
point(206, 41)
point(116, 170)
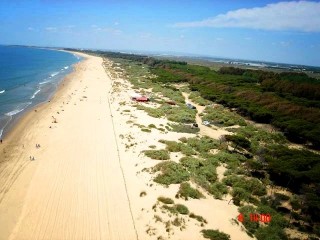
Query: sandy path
point(75, 188)
point(205, 130)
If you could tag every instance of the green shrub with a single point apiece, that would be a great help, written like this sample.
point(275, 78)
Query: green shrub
point(198, 218)
point(270, 232)
point(239, 141)
point(215, 234)
point(240, 194)
point(218, 189)
point(251, 226)
point(173, 146)
point(171, 173)
point(165, 200)
point(182, 209)
point(182, 128)
point(186, 150)
point(157, 154)
point(186, 191)
point(191, 163)
point(152, 126)
point(145, 130)
point(203, 144)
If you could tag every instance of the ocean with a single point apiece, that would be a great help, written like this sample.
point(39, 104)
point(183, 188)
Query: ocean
point(29, 76)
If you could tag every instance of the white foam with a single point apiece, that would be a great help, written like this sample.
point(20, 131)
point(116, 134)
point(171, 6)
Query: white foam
point(54, 74)
point(2, 91)
point(44, 82)
point(1, 131)
point(36, 92)
point(66, 67)
point(19, 109)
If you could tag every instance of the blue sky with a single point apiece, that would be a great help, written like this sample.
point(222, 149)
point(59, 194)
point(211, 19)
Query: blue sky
point(277, 31)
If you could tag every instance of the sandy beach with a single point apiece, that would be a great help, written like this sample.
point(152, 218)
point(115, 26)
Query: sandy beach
point(87, 179)
point(74, 189)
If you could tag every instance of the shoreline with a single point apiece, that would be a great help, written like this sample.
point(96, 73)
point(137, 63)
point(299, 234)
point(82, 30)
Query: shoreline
point(15, 119)
point(76, 159)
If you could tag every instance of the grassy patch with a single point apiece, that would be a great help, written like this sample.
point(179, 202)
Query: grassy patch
point(203, 144)
point(218, 189)
point(171, 173)
point(182, 128)
point(215, 234)
point(220, 116)
point(145, 130)
point(172, 146)
point(196, 97)
point(186, 191)
point(157, 154)
point(182, 209)
point(198, 218)
point(165, 200)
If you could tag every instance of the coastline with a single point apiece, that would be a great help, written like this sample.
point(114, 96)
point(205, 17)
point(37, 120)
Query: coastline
point(14, 137)
point(88, 177)
point(65, 163)
point(46, 95)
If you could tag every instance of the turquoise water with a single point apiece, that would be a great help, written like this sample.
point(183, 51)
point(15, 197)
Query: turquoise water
point(29, 76)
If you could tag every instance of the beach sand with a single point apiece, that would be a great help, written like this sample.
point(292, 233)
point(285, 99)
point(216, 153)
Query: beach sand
point(87, 179)
point(74, 189)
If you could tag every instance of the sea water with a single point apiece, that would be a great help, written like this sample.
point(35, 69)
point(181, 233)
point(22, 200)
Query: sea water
point(29, 76)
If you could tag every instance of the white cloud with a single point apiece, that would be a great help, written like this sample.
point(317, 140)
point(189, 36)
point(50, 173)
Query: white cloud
point(295, 15)
point(30, 29)
point(113, 31)
point(51, 29)
point(116, 23)
point(219, 39)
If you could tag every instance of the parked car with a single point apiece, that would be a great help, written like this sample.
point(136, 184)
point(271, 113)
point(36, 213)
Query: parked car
point(189, 105)
point(206, 123)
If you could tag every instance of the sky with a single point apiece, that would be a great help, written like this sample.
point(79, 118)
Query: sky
point(277, 31)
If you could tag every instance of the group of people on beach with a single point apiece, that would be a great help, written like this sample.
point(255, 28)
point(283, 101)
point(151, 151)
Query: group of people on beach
point(32, 157)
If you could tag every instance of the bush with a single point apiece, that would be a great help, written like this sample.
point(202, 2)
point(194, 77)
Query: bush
point(181, 128)
point(186, 150)
point(165, 200)
point(239, 141)
point(171, 173)
point(186, 191)
point(145, 130)
point(250, 226)
point(215, 234)
point(182, 209)
point(172, 146)
point(157, 154)
point(199, 218)
point(203, 144)
point(218, 189)
point(270, 232)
